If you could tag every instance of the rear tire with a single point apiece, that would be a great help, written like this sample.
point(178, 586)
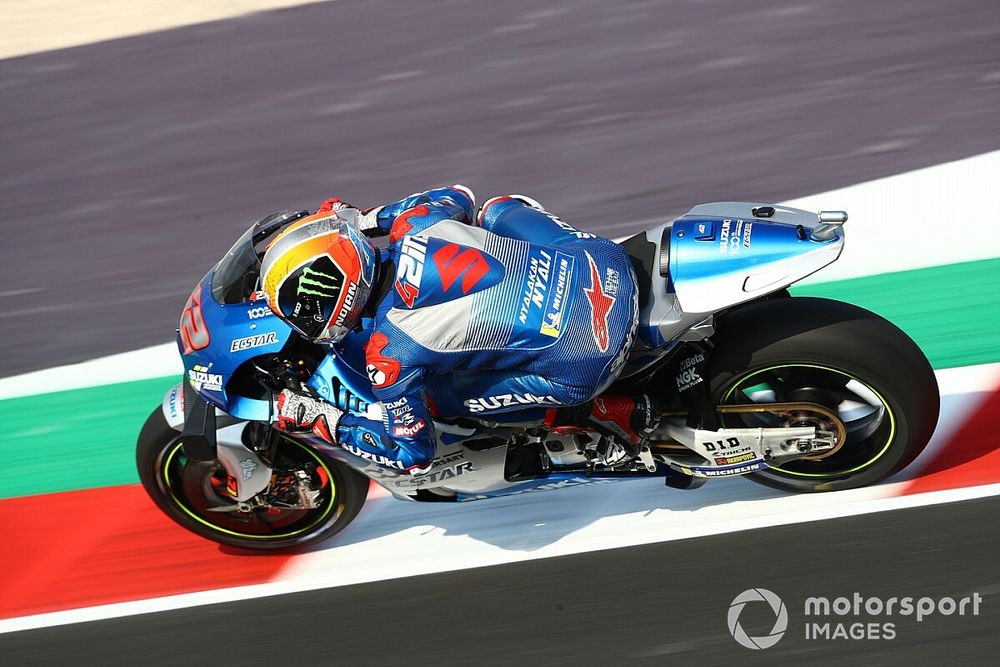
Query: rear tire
point(822, 350)
point(184, 488)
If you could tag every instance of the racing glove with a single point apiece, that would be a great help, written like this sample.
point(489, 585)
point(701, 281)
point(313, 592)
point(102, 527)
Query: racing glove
point(300, 413)
point(367, 218)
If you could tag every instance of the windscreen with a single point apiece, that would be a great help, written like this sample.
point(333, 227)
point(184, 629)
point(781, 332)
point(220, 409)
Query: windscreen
point(237, 276)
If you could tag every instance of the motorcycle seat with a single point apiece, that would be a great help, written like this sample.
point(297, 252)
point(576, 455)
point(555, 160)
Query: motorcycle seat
point(643, 256)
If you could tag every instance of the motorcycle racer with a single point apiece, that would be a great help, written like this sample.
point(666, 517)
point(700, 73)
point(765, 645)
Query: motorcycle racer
point(509, 315)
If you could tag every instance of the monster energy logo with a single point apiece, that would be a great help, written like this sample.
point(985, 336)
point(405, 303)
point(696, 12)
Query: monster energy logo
point(318, 283)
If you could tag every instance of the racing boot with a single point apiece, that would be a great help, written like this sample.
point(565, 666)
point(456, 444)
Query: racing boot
point(629, 420)
point(623, 423)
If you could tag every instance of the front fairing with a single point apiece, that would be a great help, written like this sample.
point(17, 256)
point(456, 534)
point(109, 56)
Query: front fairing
point(227, 329)
point(237, 333)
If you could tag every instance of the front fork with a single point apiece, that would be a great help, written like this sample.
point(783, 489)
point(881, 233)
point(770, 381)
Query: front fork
point(209, 435)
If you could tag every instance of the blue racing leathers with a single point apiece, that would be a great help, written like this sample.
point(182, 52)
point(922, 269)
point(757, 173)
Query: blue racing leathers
point(487, 316)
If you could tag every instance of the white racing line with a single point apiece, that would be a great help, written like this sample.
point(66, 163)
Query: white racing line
point(394, 539)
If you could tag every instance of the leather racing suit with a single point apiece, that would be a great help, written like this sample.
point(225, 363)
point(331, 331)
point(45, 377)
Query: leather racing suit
point(503, 316)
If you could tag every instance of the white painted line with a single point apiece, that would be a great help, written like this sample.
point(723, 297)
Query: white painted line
point(449, 552)
point(921, 218)
point(149, 362)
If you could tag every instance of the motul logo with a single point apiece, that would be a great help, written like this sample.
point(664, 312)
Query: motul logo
point(408, 431)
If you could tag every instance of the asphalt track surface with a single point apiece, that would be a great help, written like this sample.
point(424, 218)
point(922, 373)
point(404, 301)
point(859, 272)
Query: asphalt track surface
point(655, 604)
point(130, 166)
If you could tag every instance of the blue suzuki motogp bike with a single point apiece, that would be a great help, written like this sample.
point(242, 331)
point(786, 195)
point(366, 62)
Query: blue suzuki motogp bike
point(801, 394)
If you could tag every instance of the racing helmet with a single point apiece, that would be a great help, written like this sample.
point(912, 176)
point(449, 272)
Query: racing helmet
point(318, 274)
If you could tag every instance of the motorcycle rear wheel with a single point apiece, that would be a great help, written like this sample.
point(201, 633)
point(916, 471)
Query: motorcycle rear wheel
point(839, 355)
point(185, 489)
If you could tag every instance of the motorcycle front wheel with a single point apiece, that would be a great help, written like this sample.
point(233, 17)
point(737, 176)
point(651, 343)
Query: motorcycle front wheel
point(847, 359)
point(194, 493)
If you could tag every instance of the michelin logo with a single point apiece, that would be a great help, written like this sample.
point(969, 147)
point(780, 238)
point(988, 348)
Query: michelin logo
point(727, 472)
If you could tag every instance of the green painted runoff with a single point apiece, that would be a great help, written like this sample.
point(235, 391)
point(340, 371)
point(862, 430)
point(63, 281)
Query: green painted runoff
point(951, 311)
point(77, 439)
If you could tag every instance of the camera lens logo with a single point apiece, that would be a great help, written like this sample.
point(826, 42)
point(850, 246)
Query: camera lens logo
point(780, 618)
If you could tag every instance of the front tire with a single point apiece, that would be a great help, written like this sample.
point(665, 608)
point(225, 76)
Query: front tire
point(186, 489)
point(836, 354)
